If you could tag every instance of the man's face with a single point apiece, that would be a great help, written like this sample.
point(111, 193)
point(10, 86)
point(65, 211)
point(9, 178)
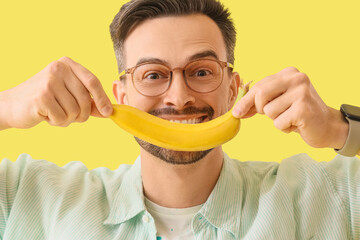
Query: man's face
point(175, 40)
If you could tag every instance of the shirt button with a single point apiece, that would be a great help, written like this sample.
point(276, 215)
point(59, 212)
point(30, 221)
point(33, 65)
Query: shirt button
point(145, 218)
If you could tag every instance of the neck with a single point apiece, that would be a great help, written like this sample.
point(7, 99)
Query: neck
point(180, 186)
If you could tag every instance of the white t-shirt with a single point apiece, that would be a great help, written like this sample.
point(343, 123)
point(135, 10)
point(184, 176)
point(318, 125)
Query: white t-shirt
point(172, 223)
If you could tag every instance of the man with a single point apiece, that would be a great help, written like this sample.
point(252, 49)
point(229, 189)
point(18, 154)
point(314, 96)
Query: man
point(169, 194)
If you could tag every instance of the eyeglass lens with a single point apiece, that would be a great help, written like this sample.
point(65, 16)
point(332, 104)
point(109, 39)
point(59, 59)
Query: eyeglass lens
point(201, 76)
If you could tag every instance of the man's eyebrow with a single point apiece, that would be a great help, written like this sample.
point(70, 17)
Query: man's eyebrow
point(204, 54)
point(151, 60)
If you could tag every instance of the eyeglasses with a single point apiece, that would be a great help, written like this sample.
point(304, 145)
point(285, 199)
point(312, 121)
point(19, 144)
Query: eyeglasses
point(154, 79)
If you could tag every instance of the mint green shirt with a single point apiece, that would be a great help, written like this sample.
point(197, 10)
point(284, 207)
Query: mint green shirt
point(297, 199)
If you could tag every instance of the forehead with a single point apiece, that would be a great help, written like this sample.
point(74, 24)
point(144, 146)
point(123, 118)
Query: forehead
point(174, 39)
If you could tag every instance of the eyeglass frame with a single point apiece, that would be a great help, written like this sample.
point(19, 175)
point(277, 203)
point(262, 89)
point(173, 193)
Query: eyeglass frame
point(132, 69)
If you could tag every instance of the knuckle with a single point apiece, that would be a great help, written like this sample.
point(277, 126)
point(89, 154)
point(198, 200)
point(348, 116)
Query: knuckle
point(291, 69)
point(57, 118)
point(74, 113)
point(76, 109)
point(48, 85)
point(258, 90)
point(302, 111)
point(60, 119)
point(64, 124)
point(83, 118)
point(85, 109)
point(261, 95)
point(268, 112)
point(51, 123)
point(272, 116)
point(56, 67)
point(55, 123)
point(287, 130)
point(304, 94)
point(260, 101)
point(266, 109)
point(278, 124)
point(301, 77)
point(64, 59)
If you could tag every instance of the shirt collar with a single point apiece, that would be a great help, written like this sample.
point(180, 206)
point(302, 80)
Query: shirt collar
point(223, 207)
point(129, 199)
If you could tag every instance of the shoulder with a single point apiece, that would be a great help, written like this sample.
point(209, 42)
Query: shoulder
point(251, 171)
point(45, 173)
point(304, 167)
point(292, 172)
point(342, 165)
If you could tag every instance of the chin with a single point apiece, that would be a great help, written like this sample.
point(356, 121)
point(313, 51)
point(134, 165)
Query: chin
point(171, 156)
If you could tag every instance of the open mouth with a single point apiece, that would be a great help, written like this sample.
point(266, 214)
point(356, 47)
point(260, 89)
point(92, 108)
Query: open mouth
point(188, 120)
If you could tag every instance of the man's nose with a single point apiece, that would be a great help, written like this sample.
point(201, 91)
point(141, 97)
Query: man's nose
point(178, 94)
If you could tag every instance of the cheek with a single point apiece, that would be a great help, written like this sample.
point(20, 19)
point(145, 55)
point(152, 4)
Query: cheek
point(223, 93)
point(135, 99)
point(143, 103)
point(223, 98)
point(218, 101)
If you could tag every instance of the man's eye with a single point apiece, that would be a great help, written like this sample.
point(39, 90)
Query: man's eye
point(153, 76)
point(202, 73)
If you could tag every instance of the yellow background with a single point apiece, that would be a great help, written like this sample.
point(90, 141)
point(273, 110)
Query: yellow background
point(320, 38)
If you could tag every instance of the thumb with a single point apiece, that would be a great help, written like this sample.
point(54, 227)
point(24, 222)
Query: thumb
point(95, 111)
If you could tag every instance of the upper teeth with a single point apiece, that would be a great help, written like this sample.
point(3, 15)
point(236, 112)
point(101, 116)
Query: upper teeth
point(188, 121)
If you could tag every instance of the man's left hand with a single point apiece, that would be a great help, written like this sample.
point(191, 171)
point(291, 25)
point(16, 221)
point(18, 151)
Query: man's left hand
point(291, 101)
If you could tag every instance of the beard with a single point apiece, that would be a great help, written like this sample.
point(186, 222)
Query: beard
point(172, 156)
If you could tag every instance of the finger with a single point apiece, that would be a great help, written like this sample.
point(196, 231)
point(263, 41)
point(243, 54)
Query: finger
point(81, 95)
point(278, 105)
point(54, 113)
point(94, 111)
point(259, 95)
point(250, 113)
point(285, 121)
point(268, 89)
point(291, 129)
point(92, 84)
point(67, 103)
point(243, 106)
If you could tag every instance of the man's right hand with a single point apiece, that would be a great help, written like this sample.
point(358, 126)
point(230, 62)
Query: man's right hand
point(62, 93)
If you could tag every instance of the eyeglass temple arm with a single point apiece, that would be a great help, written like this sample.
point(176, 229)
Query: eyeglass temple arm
point(230, 65)
point(123, 73)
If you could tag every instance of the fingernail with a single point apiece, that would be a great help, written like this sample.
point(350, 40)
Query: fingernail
point(106, 111)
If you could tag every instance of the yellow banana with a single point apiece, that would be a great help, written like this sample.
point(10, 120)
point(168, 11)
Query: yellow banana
point(173, 135)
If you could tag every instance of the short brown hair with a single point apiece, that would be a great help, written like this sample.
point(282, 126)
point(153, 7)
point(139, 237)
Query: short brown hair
point(137, 11)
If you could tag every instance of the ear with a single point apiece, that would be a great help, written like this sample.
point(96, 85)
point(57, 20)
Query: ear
point(119, 91)
point(234, 89)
